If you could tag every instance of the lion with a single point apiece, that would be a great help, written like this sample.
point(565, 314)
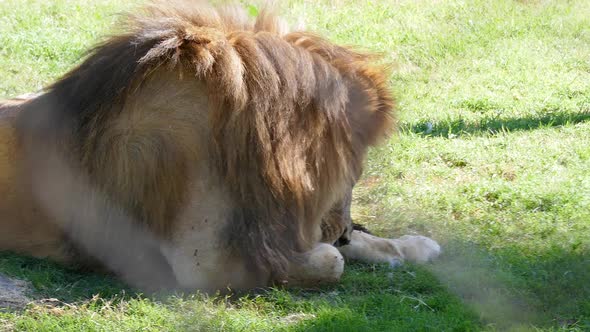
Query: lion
point(200, 149)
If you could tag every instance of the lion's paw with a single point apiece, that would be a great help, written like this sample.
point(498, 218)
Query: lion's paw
point(417, 248)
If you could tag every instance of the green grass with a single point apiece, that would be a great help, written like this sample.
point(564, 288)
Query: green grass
point(492, 160)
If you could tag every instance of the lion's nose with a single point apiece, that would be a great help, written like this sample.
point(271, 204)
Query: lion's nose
point(342, 241)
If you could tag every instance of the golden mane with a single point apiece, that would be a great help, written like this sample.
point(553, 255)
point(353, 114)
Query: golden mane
point(291, 117)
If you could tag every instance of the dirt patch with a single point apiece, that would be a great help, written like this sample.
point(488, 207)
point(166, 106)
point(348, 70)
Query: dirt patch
point(13, 293)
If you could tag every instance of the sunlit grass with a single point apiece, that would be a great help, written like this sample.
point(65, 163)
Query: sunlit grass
point(492, 159)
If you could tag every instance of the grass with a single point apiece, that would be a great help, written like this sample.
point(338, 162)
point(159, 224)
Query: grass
point(492, 160)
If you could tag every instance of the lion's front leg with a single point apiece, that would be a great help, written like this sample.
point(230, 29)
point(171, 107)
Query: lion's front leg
point(322, 264)
point(369, 248)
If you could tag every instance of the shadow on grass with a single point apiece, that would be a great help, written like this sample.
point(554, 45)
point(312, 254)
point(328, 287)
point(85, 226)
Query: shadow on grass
point(52, 280)
point(510, 290)
point(497, 291)
point(379, 298)
point(467, 289)
point(495, 125)
point(369, 298)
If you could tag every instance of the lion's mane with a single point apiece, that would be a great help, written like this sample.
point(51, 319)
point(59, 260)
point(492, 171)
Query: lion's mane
point(286, 129)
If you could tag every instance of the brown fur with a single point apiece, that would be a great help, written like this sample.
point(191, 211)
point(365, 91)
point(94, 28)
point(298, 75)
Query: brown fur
point(279, 121)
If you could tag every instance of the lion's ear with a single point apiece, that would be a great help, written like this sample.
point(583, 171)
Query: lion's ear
point(370, 111)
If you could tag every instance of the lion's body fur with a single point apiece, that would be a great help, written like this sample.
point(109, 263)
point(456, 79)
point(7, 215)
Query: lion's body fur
point(201, 133)
point(24, 227)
